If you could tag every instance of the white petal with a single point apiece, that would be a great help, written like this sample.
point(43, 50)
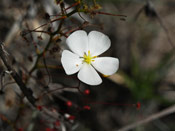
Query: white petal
point(78, 42)
point(106, 65)
point(88, 75)
point(71, 62)
point(98, 43)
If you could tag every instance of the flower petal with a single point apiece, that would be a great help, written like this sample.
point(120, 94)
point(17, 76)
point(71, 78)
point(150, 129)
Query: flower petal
point(78, 42)
point(71, 62)
point(98, 43)
point(88, 75)
point(106, 65)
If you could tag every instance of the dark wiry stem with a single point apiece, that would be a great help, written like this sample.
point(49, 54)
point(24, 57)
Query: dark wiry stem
point(26, 91)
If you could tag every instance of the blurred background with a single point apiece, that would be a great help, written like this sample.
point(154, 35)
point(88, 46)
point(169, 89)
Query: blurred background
point(143, 42)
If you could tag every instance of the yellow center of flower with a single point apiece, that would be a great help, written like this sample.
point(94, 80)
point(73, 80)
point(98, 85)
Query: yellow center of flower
point(88, 58)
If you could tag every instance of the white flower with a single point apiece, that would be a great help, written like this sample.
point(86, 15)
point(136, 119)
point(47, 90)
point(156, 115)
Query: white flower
point(84, 56)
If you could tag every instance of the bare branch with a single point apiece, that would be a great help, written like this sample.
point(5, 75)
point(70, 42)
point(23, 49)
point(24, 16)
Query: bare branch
point(26, 91)
point(150, 118)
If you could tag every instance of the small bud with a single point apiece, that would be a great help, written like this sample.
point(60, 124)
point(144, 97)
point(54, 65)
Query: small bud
point(138, 106)
point(40, 37)
point(47, 16)
point(24, 32)
point(86, 107)
point(69, 103)
point(39, 108)
point(71, 117)
point(87, 92)
point(30, 58)
point(97, 7)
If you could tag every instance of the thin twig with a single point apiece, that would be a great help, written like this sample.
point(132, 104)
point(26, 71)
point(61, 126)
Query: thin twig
point(49, 42)
point(150, 118)
point(26, 91)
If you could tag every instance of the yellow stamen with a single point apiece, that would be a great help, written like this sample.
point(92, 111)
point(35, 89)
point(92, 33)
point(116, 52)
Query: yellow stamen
point(105, 75)
point(88, 58)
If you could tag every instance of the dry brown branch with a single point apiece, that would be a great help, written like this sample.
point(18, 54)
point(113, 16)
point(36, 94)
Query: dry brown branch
point(150, 118)
point(26, 91)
